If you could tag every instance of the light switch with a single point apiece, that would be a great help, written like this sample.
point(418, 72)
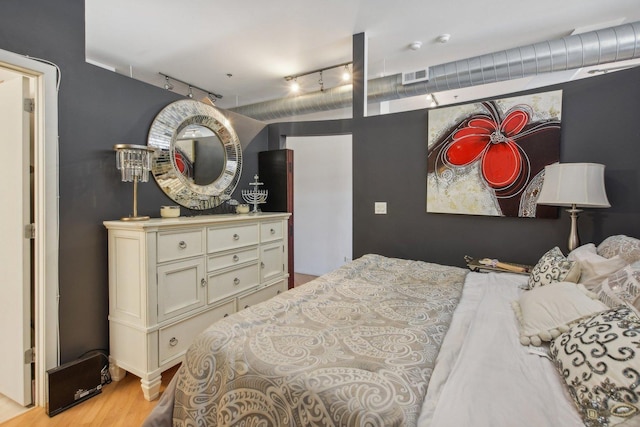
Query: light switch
point(380, 208)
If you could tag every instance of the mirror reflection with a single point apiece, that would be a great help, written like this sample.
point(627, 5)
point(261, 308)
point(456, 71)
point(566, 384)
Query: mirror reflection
point(199, 155)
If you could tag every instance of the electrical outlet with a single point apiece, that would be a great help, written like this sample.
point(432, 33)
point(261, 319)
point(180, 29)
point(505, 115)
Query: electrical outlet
point(380, 208)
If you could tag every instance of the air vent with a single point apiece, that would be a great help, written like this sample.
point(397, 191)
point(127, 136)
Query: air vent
point(415, 76)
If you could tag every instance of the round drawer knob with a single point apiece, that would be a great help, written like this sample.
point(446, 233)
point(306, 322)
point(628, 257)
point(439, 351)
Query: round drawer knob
point(203, 282)
point(173, 342)
point(236, 258)
point(273, 231)
point(182, 244)
point(236, 281)
point(236, 237)
point(262, 265)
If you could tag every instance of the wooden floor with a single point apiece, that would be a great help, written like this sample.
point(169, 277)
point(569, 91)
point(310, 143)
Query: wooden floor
point(120, 404)
point(301, 279)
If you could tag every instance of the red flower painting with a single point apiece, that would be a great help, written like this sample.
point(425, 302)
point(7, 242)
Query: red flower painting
point(489, 158)
point(492, 141)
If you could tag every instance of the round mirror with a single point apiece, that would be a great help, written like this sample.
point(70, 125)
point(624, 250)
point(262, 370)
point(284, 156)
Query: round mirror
point(198, 157)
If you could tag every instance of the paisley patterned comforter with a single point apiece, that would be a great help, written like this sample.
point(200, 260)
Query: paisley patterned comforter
point(355, 347)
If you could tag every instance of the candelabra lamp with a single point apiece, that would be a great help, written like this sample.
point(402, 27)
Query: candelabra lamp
point(134, 164)
point(574, 185)
point(255, 197)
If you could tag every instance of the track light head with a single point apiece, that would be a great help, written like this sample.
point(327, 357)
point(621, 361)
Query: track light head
point(295, 86)
point(346, 75)
point(168, 85)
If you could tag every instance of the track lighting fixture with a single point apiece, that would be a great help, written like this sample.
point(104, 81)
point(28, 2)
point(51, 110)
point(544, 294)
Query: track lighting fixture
point(346, 74)
point(167, 85)
point(295, 87)
point(431, 99)
point(213, 97)
point(293, 79)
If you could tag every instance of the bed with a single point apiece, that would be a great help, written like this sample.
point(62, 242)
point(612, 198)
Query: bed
point(391, 342)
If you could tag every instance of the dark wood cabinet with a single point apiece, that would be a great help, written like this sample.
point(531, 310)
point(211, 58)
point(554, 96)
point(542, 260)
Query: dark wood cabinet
point(275, 168)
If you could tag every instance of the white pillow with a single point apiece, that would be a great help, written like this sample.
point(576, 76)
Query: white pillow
point(599, 361)
point(553, 267)
point(547, 311)
point(593, 267)
point(621, 287)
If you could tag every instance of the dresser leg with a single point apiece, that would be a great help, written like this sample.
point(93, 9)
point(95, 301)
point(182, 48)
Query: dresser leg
point(151, 388)
point(116, 372)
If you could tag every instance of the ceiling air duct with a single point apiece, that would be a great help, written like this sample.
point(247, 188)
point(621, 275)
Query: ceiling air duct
point(603, 46)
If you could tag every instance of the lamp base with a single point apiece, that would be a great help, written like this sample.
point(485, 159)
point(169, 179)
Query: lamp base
point(574, 238)
point(134, 218)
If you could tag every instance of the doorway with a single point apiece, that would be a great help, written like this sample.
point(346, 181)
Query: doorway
point(42, 220)
point(16, 320)
point(322, 183)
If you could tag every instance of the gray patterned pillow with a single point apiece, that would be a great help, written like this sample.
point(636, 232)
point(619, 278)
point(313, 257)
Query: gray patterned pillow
point(553, 267)
point(621, 287)
point(625, 246)
point(599, 360)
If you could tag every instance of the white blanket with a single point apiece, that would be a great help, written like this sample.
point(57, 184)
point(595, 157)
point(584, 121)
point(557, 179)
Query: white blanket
point(483, 376)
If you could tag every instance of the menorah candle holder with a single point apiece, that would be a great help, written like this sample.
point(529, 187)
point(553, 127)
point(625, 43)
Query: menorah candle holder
point(255, 197)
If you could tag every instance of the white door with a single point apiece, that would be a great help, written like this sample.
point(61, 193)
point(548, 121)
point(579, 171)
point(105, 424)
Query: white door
point(322, 186)
point(15, 259)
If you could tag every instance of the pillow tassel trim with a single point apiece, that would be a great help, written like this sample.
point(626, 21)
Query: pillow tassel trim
point(538, 337)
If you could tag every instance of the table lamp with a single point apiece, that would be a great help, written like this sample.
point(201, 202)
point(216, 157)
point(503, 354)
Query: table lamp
point(134, 164)
point(574, 185)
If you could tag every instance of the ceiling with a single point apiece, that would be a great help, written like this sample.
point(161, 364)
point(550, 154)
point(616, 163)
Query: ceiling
point(242, 50)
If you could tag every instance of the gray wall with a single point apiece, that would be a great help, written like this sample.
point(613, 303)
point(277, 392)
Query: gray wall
point(97, 109)
point(599, 124)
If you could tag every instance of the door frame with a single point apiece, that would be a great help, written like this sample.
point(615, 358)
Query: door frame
point(46, 194)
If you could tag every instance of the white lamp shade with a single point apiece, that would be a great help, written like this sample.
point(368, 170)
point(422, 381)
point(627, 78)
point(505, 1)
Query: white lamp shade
point(569, 184)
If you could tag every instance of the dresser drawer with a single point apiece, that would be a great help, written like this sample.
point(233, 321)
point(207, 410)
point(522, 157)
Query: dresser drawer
point(231, 282)
point(223, 238)
point(175, 339)
point(261, 295)
point(270, 231)
point(180, 244)
point(237, 257)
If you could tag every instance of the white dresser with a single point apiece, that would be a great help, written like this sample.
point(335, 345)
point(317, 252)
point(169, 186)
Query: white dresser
point(170, 278)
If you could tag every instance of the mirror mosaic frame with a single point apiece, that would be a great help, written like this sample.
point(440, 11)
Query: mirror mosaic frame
point(163, 134)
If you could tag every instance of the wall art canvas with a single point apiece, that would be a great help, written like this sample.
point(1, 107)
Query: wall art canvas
point(488, 158)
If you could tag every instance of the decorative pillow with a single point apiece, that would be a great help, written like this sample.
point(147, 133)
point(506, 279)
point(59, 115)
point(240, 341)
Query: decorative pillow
point(628, 248)
point(546, 312)
point(599, 360)
point(621, 287)
point(593, 267)
point(553, 267)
